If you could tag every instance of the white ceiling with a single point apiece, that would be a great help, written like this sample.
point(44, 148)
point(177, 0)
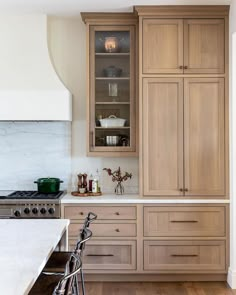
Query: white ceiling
point(74, 7)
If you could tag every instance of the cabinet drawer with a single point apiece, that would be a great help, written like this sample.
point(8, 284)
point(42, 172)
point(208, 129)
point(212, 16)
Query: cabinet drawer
point(103, 212)
point(106, 229)
point(113, 255)
point(184, 221)
point(184, 255)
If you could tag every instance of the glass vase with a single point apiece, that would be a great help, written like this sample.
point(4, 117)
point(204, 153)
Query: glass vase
point(119, 189)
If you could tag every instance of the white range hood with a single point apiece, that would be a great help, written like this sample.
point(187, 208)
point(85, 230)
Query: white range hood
point(30, 89)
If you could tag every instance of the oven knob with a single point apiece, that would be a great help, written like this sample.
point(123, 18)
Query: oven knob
point(17, 213)
point(51, 210)
point(43, 211)
point(35, 210)
point(27, 211)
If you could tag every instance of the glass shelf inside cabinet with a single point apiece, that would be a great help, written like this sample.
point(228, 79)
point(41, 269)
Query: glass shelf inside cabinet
point(112, 88)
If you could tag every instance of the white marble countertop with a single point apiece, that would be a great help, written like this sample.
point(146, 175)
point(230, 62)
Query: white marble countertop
point(134, 199)
point(25, 247)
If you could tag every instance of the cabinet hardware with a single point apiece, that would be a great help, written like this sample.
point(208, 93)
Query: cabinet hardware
point(185, 67)
point(184, 255)
point(92, 139)
point(100, 255)
point(184, 221)
point(117, 230)
point(186, 190)
point(117, 213)
point(81, 213)
point(181, 190)
point(181, 67)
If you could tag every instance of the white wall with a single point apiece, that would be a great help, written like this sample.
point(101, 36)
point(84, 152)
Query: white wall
point(67, 44)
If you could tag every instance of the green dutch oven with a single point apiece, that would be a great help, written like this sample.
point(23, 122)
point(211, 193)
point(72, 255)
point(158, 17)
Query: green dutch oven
point(48, 185)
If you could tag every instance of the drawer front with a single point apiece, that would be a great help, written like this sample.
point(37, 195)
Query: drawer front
point(103, 212)
point(106, 229)
point(184, 221)
point(105, 255)
point(184, 255)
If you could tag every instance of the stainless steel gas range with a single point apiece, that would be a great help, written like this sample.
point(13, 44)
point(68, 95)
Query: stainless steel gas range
point(29, 204)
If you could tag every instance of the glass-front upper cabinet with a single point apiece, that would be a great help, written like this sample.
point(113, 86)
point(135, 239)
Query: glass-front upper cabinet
point(112, 95)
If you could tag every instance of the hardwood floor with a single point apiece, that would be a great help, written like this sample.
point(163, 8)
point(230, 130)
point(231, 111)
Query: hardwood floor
point(188, 288)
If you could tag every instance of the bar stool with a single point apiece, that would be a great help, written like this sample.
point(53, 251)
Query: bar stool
point(58, 260)
point(65, 282)
point(69, 284)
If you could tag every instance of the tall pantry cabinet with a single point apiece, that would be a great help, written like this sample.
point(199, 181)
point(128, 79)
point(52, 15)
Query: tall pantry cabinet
point(183, 84)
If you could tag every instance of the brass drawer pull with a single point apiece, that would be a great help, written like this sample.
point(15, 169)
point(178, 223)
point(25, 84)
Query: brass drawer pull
point(81, 213)
point(184, 255)
point(117, 213)
point(117, 230)
point(100, 255)
point(184, 221)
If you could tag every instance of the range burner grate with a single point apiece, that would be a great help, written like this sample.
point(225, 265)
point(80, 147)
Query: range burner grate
point(34, 195)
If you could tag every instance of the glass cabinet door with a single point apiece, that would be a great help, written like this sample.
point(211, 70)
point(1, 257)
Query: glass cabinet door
point(112, 89)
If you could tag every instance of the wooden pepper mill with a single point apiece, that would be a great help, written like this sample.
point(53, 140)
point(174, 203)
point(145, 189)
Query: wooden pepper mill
point(85, 183)
point(80, 181)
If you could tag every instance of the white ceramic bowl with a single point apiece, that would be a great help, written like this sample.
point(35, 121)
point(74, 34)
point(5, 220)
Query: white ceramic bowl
point(112, 121)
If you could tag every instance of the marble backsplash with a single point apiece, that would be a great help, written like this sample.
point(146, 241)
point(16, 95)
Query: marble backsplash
point(30, 150)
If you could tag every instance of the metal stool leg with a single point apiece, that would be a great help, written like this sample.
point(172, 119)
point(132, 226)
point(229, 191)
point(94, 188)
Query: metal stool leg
point(77, 290)
point(82, 281)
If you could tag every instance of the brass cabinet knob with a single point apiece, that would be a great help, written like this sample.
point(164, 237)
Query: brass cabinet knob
point(181, 67)
point(181, 190)
point(185, 67)
point(186, 190)
point(81, 213)
point(117, 230)
point(117, 213)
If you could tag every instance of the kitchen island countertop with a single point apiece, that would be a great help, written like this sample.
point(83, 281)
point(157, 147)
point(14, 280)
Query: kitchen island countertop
point(135, 199)
point(25, 247)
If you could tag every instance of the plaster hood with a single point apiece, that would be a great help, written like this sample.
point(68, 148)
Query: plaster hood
point(30, 89)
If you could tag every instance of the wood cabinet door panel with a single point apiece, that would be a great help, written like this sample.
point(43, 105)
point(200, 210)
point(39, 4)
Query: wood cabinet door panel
point(184, 221)
point(204, 45)
point(184, 255)
point(162, 46)
point(103, 212)
point(105, 229)
point(105, 255)
point(163, 136)
point(204, 136)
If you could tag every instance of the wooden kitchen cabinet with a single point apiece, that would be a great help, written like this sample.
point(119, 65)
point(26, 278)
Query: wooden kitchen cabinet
point(109, 255)
point(163, 136)
point(162, 46)
point(186, 256)
point(106, 229)
point(183, 142)
point(166, 239)
point(204, 139)
point(111, 92)
point(113, 246)
point(104, 212)
point(192, 221)
point(184, 103)
point(175, 46)
point(204, 46)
